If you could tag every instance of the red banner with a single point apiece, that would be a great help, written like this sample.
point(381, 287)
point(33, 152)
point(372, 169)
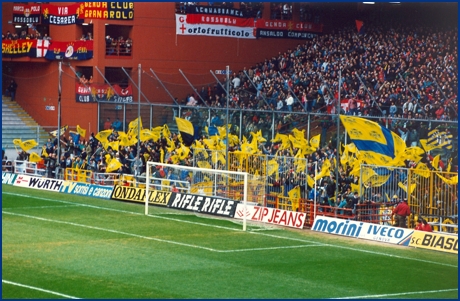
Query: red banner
point(289, 25)
point(219, 20)
point(73, 50)
point(26, 14)
point(95, 93)
point(61, 15)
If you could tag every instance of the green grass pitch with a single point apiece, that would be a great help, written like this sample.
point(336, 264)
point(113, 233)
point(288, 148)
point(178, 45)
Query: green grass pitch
point(64, 246)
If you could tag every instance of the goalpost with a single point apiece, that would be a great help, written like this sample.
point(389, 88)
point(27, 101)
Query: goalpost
point(231, 185)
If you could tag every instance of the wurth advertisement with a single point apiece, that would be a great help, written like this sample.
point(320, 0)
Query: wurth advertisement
point(38, 183)
point(271, 215)
point(213, 29)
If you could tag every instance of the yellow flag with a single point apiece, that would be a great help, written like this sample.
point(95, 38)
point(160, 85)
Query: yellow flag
point(435, 162)
point(63, 129)
point(133, 125)
point(272, 167)
point(44, 153)
point(310, 182)
point(294, 193)
point(34, 157)
point(113, 165)
point(204, 164)
point(28, 145)
point(114, 145)
point(81, 131)
point(325, 170)
point(314, 141)
point(451, 181)
point(422, 170)
point(147, 134)
point(162, 155)
point(103, 135)
point(17, 142)
point(166, 132)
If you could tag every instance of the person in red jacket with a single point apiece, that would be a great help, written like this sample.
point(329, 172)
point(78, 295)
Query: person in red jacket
point(423, 225)
point(401, 212)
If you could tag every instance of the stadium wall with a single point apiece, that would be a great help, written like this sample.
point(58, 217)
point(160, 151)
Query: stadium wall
point(155, 46)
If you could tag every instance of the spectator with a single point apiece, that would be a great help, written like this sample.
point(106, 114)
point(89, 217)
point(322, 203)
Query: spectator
point(107, 124)
point(11, 90)
point(423, 225)
point(400, 213)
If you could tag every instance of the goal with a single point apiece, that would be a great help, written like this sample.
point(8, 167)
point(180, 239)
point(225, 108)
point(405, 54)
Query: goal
point(210, 191)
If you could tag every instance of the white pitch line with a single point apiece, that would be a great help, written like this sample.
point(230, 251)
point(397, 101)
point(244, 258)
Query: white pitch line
point(44, 207)
point(108, 230)
point(39, 289)
point(398, 294)
point(240, 230)
point(268, 248)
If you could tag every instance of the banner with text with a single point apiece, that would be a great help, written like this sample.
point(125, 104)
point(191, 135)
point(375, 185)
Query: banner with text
point(138, 195)
point(55, 50)
point(8, 178)
point(435, 241)
point(213, 10)
point(219, 20)
point(271, 215)
point(289, 25)
point(38, 183)
point(74, 50)
point(107, 10)
point(26, 14)
point(203, 204)
point(376, 232)
point(103, 92)
point(98, 191)
point(61, 15)
point(213, 30)
point(285, 34)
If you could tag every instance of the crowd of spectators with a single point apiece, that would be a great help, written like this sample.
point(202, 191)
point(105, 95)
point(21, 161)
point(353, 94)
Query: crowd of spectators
point(25, 35)
point(118, 46)
point(404, 72)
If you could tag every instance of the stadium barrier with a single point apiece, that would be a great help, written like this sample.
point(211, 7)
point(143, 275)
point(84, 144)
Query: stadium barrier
point(432, 195)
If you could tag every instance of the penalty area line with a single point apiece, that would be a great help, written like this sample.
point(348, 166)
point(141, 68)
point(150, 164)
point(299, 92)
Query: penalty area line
point(39, 289)
point(399, 294)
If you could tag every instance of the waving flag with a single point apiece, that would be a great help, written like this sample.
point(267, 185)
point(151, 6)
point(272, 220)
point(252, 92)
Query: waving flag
point(375, 143)
point(81, 131)
point(186, 130)
point(28, 145)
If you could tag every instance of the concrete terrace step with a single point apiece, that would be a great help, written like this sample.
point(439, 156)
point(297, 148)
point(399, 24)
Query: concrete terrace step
point(18, 124)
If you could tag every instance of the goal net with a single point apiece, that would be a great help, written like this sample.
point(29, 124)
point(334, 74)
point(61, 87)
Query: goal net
point(201, 190)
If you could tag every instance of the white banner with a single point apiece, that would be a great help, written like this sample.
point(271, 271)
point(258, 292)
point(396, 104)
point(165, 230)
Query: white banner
point(389, 234)
point(38, 183)
point(184, 28)
point(271, 215)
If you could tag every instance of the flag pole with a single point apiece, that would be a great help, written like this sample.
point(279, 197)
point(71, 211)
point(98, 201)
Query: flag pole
point(58, 134)
point(338, 141)
point(227, 70)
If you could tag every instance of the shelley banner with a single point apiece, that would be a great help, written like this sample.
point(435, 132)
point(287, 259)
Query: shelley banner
point(183, 27)
point(52, 50)
point(61, 15)
point(104, 92)
point(26, 14)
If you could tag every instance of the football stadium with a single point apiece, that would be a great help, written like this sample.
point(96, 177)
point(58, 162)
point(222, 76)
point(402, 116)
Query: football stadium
point(244, 150)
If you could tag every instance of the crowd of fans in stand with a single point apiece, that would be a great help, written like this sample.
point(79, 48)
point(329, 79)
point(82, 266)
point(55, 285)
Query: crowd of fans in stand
point(404, 72)
point(24, 35)
point(118, 46)
point(407, 74)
